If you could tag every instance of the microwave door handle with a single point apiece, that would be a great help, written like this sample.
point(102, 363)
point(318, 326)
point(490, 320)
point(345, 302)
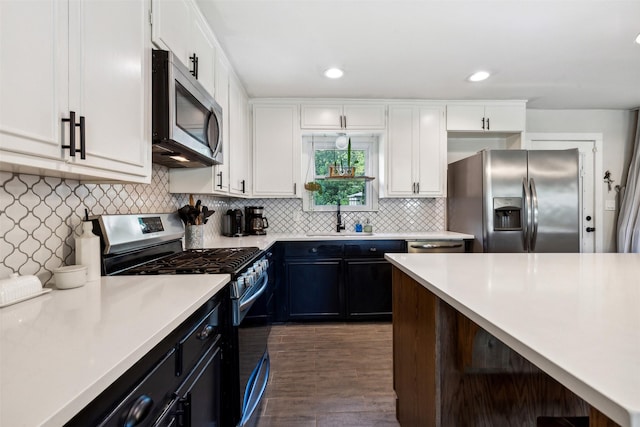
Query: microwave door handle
point(215, 146)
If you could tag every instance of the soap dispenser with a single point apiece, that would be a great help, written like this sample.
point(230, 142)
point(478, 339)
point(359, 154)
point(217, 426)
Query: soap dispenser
point(358, 226)
point(368, 228)
point(88, 251)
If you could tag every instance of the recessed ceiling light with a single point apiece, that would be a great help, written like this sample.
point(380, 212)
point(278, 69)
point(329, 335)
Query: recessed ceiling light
point(638, 39)
point(479, 76)
point(333, 73)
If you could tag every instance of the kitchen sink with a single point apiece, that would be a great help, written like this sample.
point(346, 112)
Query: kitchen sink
point(336, 234)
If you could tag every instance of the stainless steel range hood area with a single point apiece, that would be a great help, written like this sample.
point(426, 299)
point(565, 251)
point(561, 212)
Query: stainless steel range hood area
point(186, 120)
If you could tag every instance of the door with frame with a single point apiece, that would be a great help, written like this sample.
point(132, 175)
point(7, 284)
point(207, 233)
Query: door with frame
point(590, 147)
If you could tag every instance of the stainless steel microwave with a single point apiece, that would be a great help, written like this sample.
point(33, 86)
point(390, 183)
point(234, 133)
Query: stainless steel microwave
point(186, 120)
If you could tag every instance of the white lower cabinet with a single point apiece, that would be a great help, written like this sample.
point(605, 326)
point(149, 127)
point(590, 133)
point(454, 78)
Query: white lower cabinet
point(416, 151)
point(276, 150)
point(55, 58)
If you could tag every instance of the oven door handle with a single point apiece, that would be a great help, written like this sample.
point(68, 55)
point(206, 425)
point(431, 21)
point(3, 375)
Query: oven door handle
point(245, 305)
point(242, 307)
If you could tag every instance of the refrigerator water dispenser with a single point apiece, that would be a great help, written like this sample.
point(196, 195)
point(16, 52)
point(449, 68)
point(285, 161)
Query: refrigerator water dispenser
point(507, 213)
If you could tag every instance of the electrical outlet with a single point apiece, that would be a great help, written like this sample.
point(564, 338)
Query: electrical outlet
point(609, 205)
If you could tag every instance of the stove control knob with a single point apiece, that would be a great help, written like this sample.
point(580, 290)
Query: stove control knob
point(249, 279)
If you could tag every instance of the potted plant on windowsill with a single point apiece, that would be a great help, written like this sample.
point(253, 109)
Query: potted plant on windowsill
point(342, 172)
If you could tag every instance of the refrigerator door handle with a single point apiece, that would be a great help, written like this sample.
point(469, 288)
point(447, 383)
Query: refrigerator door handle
point(534, 215)
point(527, 215)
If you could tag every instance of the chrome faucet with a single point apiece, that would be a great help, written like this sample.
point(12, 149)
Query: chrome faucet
point(339, 225)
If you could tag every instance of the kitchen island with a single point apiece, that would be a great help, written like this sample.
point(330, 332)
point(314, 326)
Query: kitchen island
point(61, 350)
point(574, 317)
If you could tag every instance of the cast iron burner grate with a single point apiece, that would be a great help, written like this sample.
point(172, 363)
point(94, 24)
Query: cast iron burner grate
point(200, 261)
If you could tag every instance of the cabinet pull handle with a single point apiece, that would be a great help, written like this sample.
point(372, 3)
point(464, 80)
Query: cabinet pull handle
point(83, 151)
point(72, 135)
point(243, 186)
point(194, 61)
point(373, 249)
point(314, 250)
point(488, 124)
point(205, 333)
point(483, 123)
point(220, 176)
point(139, 410)
point(344, 119)
point(184, 411)
point(295, 185)
point(197, 68)
point(417, 188)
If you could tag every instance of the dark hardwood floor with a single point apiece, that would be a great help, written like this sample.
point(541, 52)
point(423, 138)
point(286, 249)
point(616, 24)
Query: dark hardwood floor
point(337, 374)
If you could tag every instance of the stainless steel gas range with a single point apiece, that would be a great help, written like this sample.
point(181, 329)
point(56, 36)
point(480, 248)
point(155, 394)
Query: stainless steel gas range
point(148, 244)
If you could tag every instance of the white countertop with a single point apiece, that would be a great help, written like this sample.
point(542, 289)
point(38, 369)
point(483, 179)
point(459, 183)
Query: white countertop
point(264, 242)
point(60, 350)
point(575, 316)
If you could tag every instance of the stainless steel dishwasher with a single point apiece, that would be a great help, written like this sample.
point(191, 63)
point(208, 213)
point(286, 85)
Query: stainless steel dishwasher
point(435, 246)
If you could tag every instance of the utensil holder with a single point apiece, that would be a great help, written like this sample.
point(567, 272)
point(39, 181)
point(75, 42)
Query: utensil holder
point(194, 237)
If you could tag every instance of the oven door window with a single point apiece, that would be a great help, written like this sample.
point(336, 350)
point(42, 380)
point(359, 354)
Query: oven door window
point(195, 119)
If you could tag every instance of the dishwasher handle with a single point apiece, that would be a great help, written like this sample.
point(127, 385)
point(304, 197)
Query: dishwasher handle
point(436, 246)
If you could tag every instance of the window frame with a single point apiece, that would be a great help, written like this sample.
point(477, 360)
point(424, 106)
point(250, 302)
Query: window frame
point(369, 143)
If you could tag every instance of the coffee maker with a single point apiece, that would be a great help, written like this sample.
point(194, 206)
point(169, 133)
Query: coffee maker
point(255, 222)
point(232, 223)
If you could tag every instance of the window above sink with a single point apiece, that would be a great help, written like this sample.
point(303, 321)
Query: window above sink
point(339, 174)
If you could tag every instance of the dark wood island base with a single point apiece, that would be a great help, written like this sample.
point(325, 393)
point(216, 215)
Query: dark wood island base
point(449, 372)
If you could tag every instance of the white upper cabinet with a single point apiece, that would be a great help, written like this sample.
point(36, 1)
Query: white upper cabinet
point(179, 26)
point(239, 142)
point(112, 82)
point(55, 59)
point(486, 117)
point(348, 116)
point(276, 150)
point(34, 72)
point(222, 97)
point(416, 151)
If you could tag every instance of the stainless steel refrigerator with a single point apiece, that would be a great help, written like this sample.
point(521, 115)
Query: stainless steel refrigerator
point(516, 200)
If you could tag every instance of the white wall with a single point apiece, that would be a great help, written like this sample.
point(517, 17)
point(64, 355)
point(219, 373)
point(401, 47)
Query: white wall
point(617, 128)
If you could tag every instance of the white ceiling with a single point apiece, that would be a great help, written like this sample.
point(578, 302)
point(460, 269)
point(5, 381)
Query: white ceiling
point(555, 54)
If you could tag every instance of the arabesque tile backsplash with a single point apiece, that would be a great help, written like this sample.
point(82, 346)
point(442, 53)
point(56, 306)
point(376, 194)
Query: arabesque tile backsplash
point(38, 215)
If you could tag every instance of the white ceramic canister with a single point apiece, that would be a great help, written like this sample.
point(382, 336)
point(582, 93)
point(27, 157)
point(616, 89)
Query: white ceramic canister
point(88, 251)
